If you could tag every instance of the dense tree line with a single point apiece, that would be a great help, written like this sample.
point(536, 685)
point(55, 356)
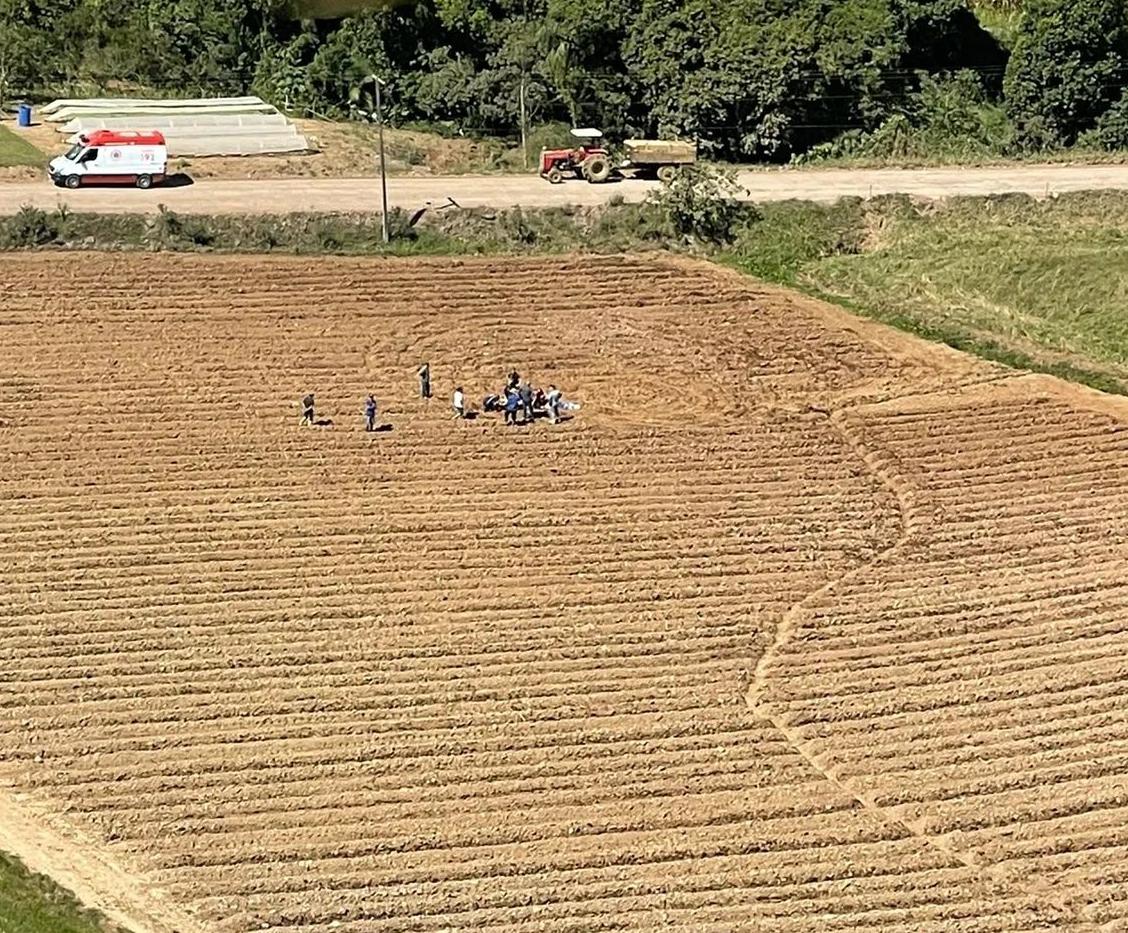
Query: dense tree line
point(749, 78)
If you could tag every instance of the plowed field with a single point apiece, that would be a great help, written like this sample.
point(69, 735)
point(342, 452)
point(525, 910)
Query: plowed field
point(798, 625)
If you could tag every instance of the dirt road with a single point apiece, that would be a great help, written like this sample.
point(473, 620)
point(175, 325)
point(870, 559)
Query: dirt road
point(337, 194)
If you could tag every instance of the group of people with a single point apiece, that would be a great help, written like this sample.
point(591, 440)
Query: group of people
point(520, 402)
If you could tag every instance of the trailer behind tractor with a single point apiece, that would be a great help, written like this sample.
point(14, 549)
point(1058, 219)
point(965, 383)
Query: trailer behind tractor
point(658, 158)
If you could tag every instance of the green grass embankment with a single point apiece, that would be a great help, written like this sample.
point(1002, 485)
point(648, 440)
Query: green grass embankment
point(16, 151)
point(30, 903)
point(1033, 284)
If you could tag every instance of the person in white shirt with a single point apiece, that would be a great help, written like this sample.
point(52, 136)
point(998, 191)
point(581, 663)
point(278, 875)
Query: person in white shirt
point(459, 403)
point(553, 400)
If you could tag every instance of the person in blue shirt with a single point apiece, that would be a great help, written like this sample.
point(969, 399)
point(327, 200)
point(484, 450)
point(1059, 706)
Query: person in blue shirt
point(512, 405)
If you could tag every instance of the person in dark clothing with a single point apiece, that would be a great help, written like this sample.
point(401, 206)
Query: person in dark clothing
point(526, 395)
point(424, 373)
point(514, 380)
point(370, 413)
point(307, 410)
point(512, 403)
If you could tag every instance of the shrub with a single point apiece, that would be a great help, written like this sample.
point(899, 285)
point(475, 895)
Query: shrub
point(29, 227)
point(164, 230)
point(702, 203)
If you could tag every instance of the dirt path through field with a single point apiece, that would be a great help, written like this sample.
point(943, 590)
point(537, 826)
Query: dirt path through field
point(282, 196)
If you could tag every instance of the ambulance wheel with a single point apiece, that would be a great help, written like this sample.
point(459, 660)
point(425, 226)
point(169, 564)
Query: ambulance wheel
point(72, 182)
point(144, 182)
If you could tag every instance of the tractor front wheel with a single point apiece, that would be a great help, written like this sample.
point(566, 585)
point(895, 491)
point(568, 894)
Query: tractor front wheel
point(555, 176)
point(597, 169)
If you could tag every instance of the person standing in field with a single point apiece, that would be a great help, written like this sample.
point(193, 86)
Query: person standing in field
point(424, 374)
point(512, 403)
point(526, 394)
point(307, 410)
point(370, 413)
point(459, 403)
point(553, 404)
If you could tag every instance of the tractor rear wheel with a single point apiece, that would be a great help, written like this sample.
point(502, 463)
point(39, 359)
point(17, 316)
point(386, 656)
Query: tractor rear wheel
point(555, 176)
point(597, 169)
point(667, 173)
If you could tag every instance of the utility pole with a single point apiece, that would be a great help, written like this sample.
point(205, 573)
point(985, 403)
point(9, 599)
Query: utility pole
point(378, 115)
point(526, 53)
point(524, 123)
point(383, 169)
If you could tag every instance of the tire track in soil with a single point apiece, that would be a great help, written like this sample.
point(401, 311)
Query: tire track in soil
point(910, 533)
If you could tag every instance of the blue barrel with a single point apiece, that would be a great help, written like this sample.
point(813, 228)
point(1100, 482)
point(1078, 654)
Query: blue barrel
point(23, 118)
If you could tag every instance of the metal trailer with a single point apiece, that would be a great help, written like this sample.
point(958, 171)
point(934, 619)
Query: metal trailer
point(659, 158)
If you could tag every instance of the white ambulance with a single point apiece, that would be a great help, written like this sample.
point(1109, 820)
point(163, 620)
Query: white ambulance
point(112, 157)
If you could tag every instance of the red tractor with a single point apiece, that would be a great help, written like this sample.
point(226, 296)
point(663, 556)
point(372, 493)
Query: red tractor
point(589, 159)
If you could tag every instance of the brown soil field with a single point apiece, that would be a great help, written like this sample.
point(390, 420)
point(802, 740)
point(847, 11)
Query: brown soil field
point(798, 625)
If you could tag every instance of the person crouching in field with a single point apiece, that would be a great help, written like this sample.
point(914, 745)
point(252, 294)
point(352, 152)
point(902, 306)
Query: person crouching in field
point(370, 413)
point(458, 403)
point(307, 410)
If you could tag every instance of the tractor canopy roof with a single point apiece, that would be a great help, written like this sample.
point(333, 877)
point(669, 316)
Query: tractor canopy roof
point(587, 133)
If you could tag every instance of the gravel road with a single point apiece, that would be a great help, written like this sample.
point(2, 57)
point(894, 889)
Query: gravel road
point(339, 194)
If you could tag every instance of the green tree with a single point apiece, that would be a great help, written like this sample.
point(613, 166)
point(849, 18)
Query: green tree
point(205, 46)
point(1067, 68)
point(24, 46)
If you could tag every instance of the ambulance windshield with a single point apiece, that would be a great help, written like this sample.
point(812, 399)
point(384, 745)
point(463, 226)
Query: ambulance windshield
point(73, 151)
